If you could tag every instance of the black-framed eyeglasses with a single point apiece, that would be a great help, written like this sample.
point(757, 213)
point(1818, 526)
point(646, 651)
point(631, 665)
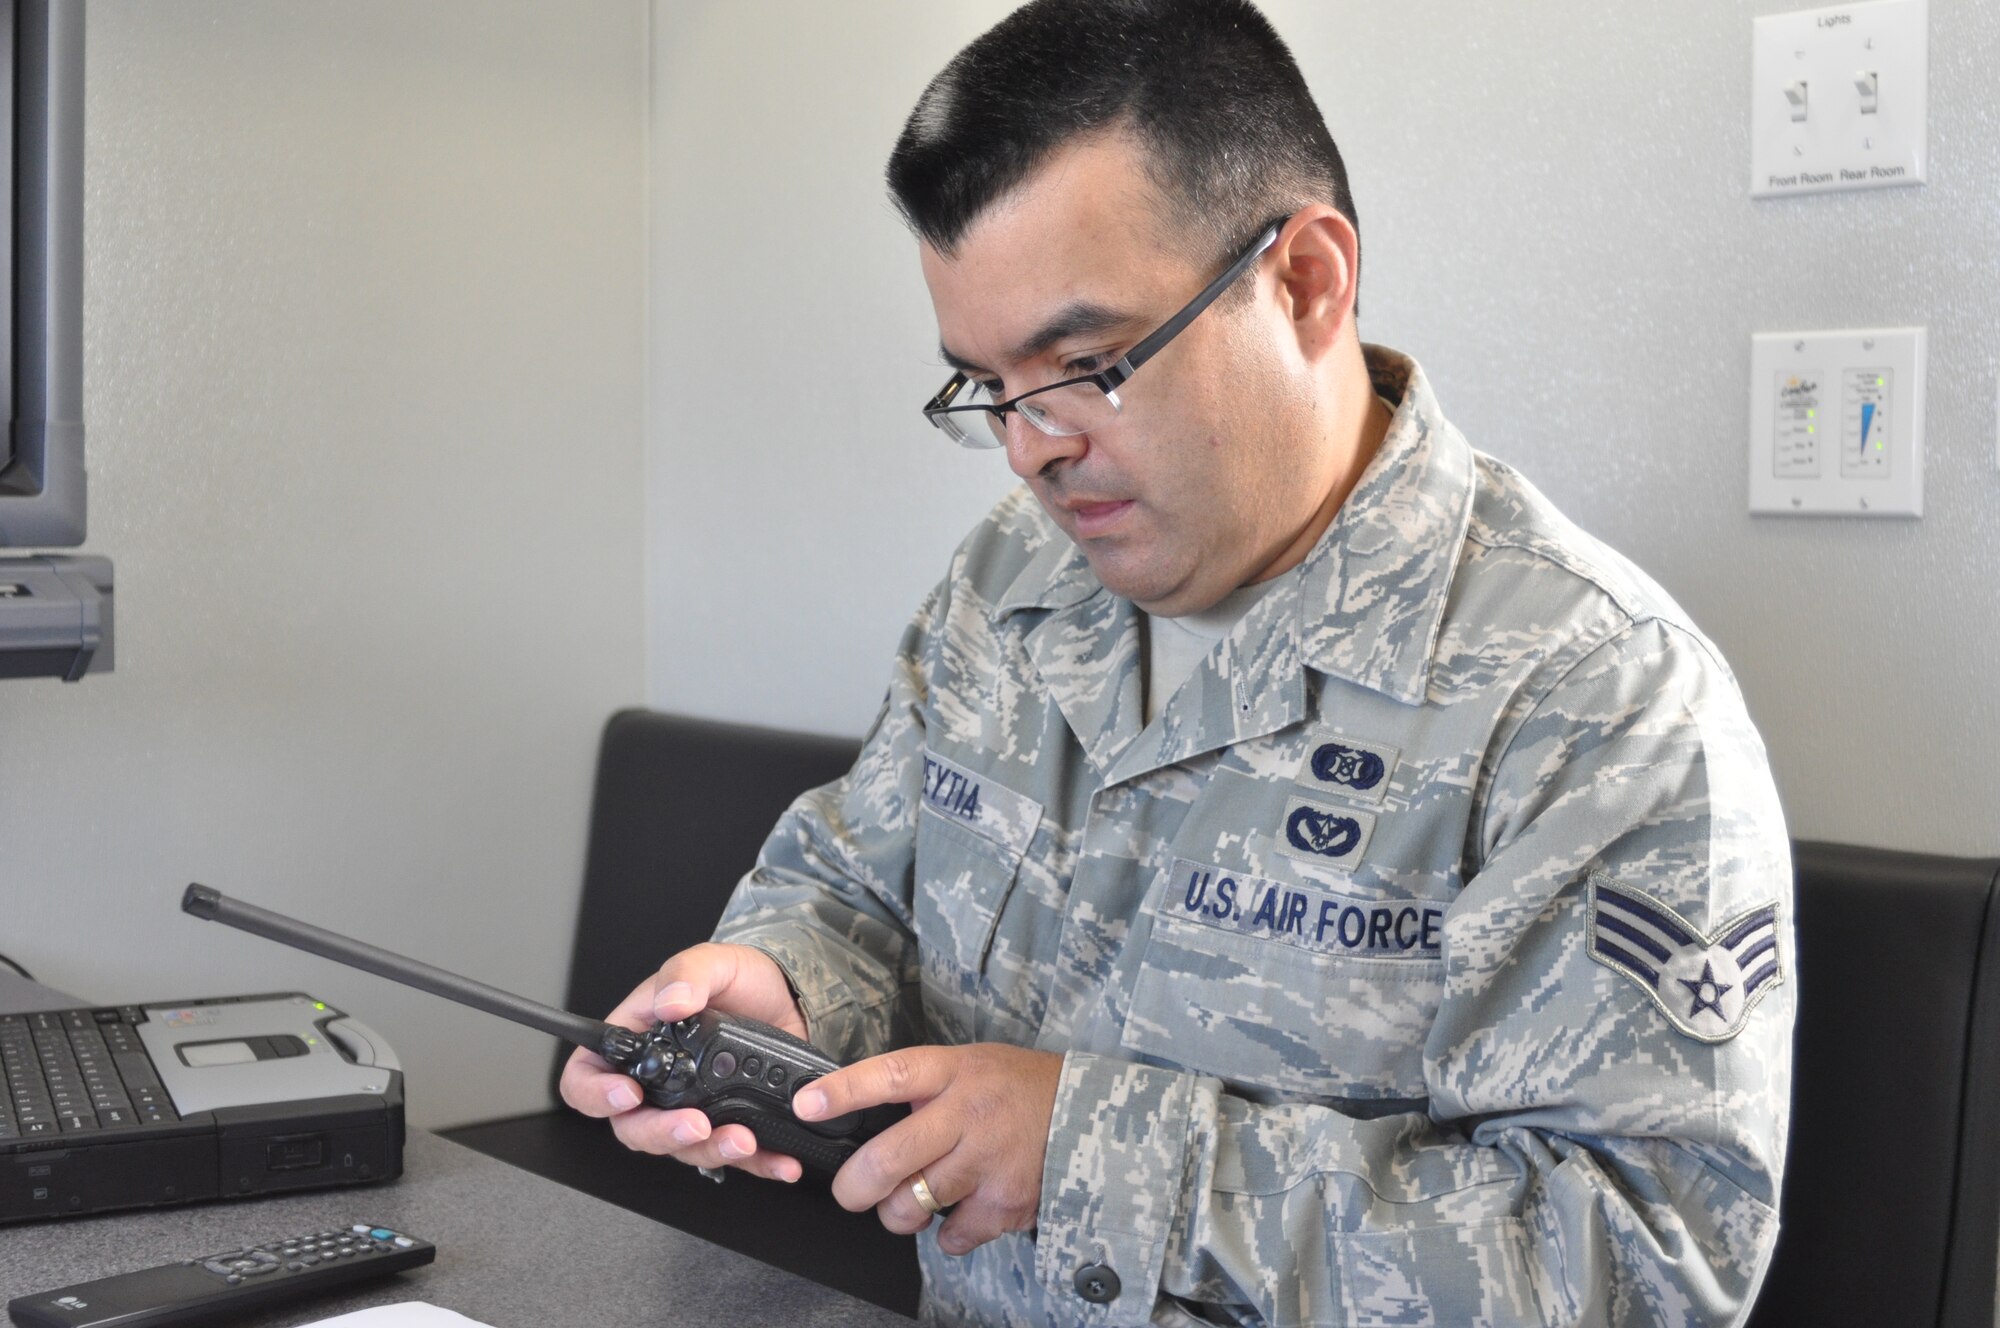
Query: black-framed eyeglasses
point(1074, 405)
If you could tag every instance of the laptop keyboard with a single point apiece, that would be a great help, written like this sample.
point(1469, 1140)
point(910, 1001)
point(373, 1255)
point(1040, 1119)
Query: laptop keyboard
point(69, 1072)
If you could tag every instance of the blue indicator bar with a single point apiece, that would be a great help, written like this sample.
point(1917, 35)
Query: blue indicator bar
point(1867, 418)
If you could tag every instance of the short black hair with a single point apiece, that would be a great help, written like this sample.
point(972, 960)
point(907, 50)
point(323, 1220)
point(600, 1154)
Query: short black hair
point(1233, 138)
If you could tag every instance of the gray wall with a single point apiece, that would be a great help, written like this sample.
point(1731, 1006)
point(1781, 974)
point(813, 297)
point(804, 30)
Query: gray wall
point(799, 505)
point(365, 310)
point(1556, 221)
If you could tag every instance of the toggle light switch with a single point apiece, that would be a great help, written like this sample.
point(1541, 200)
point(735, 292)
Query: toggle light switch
point(1808, 133)
point(1868, 85)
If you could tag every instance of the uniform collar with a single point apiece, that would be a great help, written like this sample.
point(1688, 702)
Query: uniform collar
point(1372, 592)
point(1055, 576)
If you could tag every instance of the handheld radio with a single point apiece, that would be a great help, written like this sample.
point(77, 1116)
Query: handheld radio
point(737, 1071)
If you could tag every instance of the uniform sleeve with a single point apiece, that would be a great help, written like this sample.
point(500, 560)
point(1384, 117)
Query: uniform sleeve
point(1597, 1148)
point(829, 898)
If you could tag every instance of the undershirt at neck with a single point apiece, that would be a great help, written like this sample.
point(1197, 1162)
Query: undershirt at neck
point(1175, 647)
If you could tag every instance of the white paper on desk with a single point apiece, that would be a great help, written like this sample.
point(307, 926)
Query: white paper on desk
point(409, 1314)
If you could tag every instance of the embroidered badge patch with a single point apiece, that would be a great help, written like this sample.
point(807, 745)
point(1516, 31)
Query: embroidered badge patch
point(1317, 920)
point(978, 803)
point(1706, 985)
point(1348, 768)
point(1335, 836)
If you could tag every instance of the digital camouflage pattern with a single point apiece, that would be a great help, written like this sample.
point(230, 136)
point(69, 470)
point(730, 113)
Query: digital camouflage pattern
point(1323, 943)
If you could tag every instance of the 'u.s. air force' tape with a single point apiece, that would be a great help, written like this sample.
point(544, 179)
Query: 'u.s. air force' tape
point(1316, 920)
point(1706, 985)
point(979, 803)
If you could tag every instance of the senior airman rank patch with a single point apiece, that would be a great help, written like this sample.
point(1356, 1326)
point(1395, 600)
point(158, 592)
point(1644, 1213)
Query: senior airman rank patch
point(1706, 985)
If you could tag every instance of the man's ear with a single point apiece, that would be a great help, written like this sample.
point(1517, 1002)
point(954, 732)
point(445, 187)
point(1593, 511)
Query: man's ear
point(1318, 259)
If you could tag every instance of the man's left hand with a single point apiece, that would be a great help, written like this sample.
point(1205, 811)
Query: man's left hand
point(977, 1131)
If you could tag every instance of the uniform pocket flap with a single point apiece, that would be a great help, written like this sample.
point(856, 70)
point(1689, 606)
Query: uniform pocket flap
point(980, 804)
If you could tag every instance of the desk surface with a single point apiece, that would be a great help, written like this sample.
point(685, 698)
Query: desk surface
point(514, 1250)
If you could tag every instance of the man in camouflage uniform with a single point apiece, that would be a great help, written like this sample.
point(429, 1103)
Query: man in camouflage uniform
point(1423, 959)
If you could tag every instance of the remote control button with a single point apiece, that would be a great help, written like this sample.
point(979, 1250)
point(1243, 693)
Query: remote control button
point(776, 1078)
point(233, 1279)
point(379, 1233)
point(723, 1065)
point(753, 1066)
point(404, 1242)
point(218, 1267)
point(295, 1267)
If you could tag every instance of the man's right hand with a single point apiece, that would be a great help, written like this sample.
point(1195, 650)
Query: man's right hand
point(736, 979)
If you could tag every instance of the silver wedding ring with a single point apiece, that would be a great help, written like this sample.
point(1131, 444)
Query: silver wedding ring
point(922, 1189)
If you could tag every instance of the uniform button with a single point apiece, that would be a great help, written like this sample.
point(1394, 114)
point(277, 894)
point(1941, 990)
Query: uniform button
point(1097, 1284)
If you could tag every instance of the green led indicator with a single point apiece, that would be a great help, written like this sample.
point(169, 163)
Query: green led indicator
point(1878, 382)
point(319, 1005)
point(1812, 414)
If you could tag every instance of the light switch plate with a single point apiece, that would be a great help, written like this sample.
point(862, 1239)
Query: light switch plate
point(1837, 422)
point(1812, 74)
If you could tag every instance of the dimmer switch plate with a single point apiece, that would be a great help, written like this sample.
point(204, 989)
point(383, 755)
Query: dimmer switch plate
point(1837, 422)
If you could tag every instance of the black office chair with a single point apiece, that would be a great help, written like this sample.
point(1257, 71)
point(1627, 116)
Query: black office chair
point(1891, 1207)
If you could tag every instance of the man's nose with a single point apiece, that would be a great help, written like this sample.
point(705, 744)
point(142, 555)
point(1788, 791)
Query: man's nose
point(1030, 451)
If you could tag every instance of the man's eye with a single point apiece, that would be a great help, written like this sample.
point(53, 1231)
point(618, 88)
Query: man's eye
point(985, 391)
point(1088, 364)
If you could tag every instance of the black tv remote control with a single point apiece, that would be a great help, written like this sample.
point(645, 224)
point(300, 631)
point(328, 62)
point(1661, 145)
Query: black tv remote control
point(215, 1286)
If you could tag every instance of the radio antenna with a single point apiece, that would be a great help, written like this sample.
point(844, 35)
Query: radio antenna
point(215, 906)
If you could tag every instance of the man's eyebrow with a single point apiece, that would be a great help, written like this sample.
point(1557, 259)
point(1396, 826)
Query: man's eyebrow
point(1073, 320)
